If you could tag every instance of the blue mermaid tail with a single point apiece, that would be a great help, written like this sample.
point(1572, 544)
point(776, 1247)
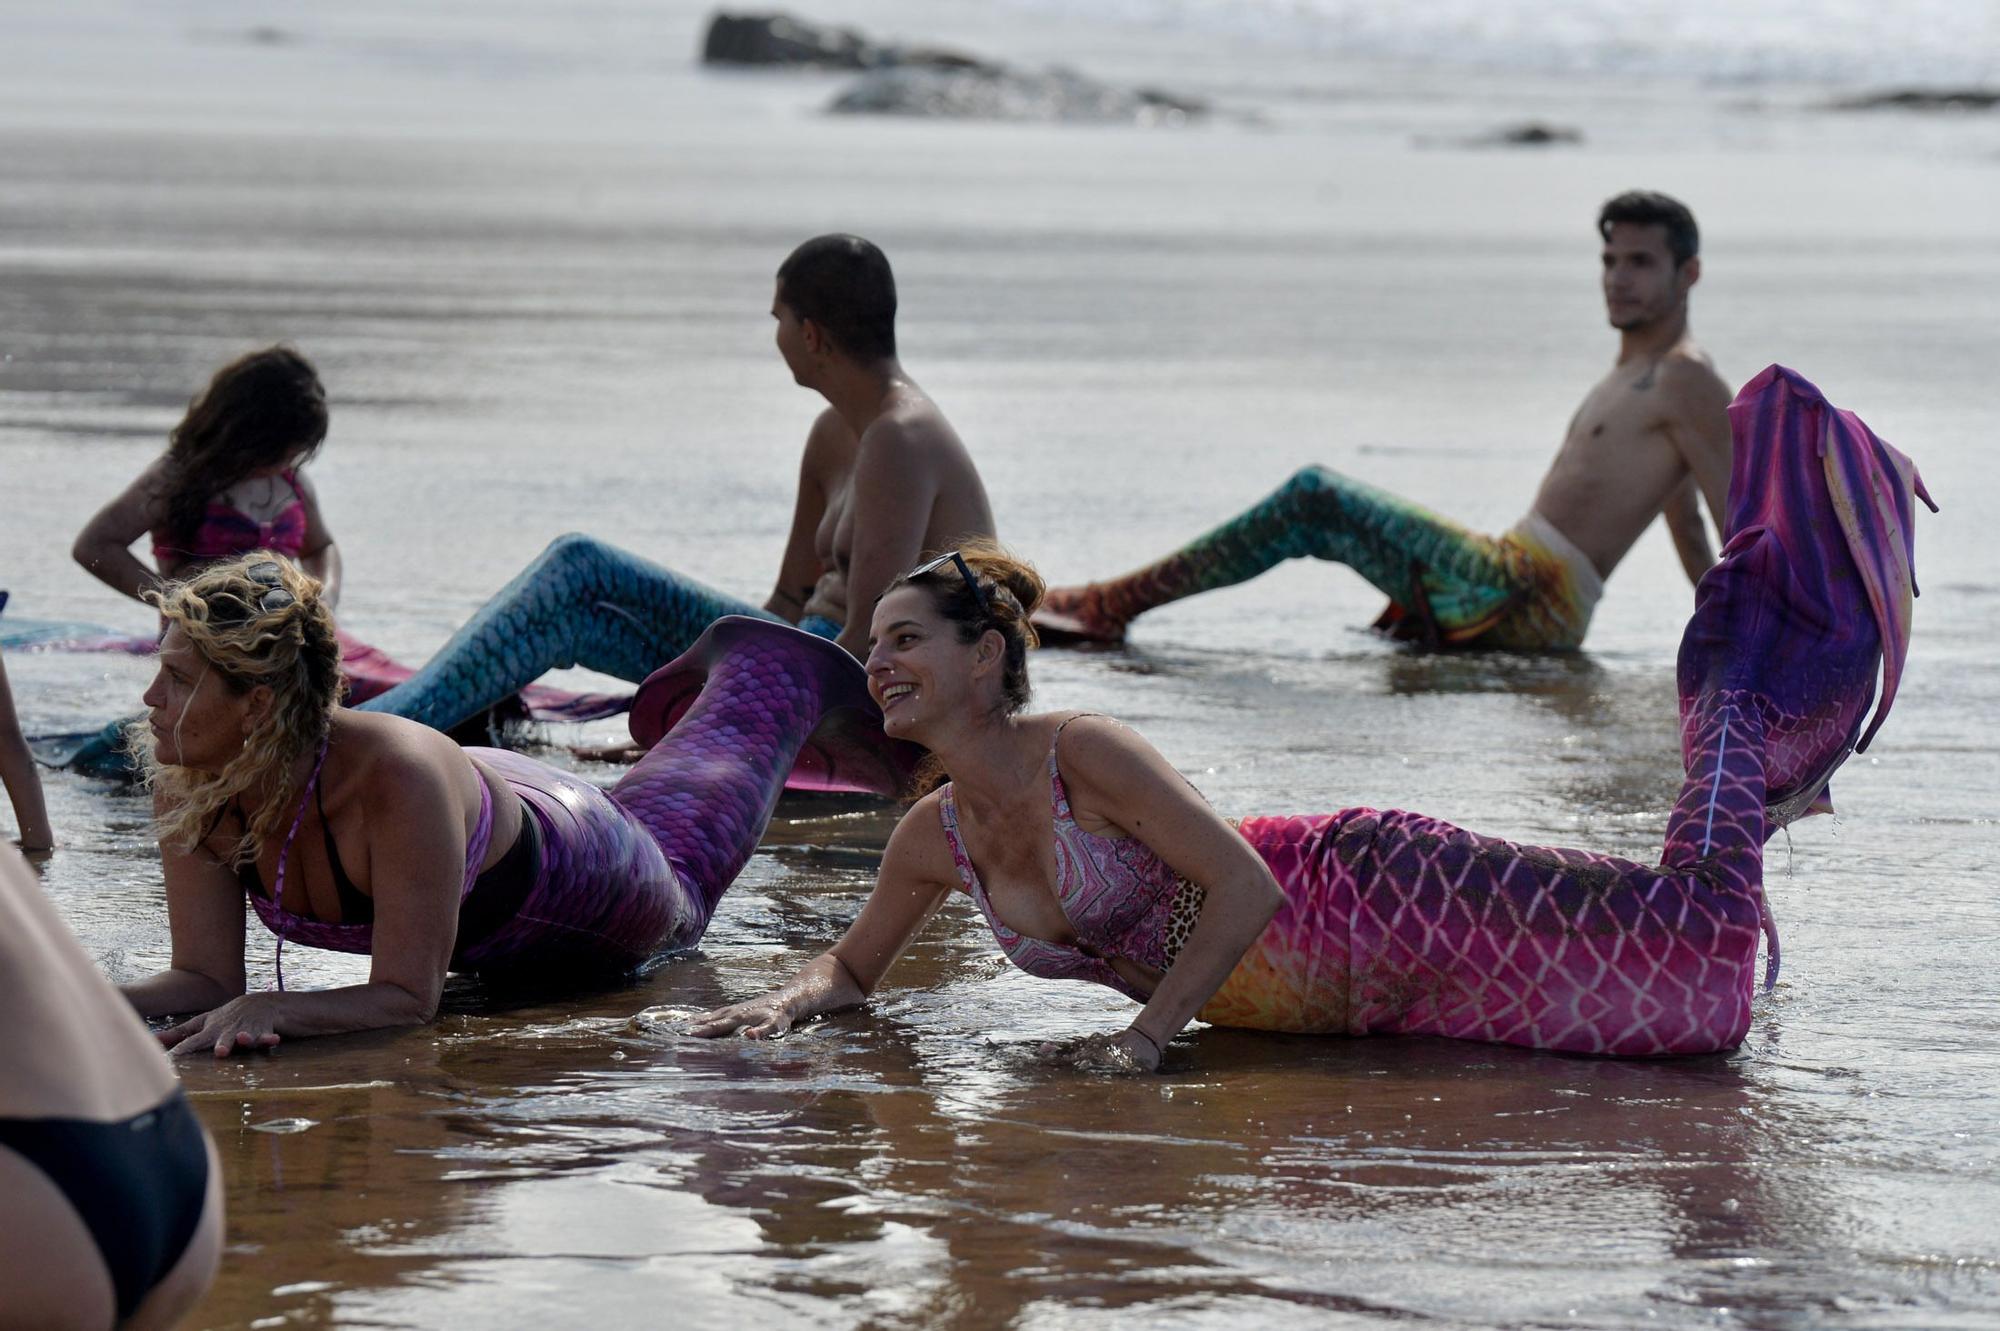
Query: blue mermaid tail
point(581, 602)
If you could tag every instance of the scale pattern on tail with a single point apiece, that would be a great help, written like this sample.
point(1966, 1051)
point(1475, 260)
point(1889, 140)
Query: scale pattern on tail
point(1445, 582)
point(637, 870)
point(581, 602)
point(1395, 922)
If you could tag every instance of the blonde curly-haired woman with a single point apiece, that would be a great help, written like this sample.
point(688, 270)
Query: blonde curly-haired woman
point(364, 832)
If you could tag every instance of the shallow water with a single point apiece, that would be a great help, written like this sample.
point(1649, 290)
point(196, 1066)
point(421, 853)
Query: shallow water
point(532, 257)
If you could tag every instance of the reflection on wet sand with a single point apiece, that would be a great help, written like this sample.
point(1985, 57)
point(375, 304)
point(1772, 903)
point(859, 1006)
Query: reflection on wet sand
point(912, 1166)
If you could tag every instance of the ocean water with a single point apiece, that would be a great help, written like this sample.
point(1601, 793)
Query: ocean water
point(530, 247)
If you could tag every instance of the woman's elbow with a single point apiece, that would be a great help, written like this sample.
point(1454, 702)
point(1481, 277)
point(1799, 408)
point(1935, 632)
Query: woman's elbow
point(414, 1010)
point(863, 986)
point(85, 550)
point(407, 1005)
point(1267, 900)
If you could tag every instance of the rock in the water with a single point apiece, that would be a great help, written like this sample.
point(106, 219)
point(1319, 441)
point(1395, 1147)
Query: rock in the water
point(1533, 134)
point(1923, 99)
point(990, 93)
point(931, 81)
point(780, 39)
point(1529, 134)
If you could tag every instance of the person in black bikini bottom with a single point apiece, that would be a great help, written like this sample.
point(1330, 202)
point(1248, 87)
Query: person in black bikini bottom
point(110, 1193)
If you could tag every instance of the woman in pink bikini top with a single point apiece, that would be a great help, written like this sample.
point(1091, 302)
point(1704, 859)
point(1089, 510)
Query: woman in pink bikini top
point(1384, 921)
point(1108, 895)
point(229, 483)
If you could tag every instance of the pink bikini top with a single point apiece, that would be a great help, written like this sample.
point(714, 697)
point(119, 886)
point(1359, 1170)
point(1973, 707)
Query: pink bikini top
point(1116, 893)
point(227, 531)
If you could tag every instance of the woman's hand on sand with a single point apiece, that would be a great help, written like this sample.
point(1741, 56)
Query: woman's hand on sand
point(242, 1025)
point(1126, 1051)
point(763, 1018)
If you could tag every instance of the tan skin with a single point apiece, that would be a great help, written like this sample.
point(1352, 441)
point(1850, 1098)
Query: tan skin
point(23, 782)
point(884, 479)
point(103, 547)
point(88, 1059)
point(401, 799)
point(1652, 437)
point(946, 695)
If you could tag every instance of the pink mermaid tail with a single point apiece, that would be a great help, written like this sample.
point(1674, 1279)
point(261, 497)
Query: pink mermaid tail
point(1399, 923)
point(626, 874)
point(847, 754)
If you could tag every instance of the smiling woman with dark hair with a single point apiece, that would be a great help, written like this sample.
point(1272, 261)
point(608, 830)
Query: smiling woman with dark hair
point(1092, 859)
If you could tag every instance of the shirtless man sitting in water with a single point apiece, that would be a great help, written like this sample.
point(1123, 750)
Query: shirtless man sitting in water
point(1648, 437)
point(884, 478)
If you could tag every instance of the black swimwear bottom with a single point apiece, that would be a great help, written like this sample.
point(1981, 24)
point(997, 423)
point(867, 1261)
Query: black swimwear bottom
point(498, 893)
point(138, 1185)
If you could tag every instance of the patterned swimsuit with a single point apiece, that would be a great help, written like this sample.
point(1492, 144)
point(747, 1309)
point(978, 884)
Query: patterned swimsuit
point(1120, 898)
point(227, 531)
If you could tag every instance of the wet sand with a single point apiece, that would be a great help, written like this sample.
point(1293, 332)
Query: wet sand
point(534, 268)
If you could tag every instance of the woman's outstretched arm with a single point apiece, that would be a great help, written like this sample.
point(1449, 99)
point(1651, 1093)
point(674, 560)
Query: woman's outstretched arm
point(1118, 781)
point(416, 859)
point(908, 891)
point(18, 774)
point(104, 546)
point(205, 920)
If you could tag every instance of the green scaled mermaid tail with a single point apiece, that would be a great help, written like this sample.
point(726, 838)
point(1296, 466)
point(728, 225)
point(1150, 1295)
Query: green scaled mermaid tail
point(1447, 584)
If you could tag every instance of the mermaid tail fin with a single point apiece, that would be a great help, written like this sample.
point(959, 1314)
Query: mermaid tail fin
point(1871, 485)
point(847, 753)
point(1072, 616)
point(707, 788)
point(1811, 598)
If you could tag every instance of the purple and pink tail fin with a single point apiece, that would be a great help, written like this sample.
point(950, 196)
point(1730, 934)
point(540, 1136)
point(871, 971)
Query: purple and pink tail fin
point(706, 789)
point(847, 753)
point(1811, 600)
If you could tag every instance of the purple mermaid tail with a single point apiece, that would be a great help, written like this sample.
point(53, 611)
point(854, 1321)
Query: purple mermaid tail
point(847, 753)
point(637, 870)
point(1399, 923)
point(1813, 592)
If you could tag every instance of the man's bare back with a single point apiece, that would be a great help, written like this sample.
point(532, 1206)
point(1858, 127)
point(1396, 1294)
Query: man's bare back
point(884, 477)
point(910, 487)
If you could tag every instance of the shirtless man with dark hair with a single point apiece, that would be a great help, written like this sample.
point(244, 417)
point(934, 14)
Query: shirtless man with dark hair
point(884, 478)
point(1650, 437)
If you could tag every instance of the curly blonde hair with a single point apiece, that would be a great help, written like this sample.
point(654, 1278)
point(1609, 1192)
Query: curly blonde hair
point(255, 620)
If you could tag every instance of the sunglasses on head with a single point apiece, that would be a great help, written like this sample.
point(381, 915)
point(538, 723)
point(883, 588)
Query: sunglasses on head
point(964, 571)
point(266, 573)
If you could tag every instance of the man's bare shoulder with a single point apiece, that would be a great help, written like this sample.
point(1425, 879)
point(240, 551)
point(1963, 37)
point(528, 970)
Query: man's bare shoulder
point(829, 451)
point(1688, 376)
point(907, 432)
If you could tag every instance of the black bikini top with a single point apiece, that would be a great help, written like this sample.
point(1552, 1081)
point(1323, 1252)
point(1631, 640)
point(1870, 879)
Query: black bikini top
point(356, 906)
